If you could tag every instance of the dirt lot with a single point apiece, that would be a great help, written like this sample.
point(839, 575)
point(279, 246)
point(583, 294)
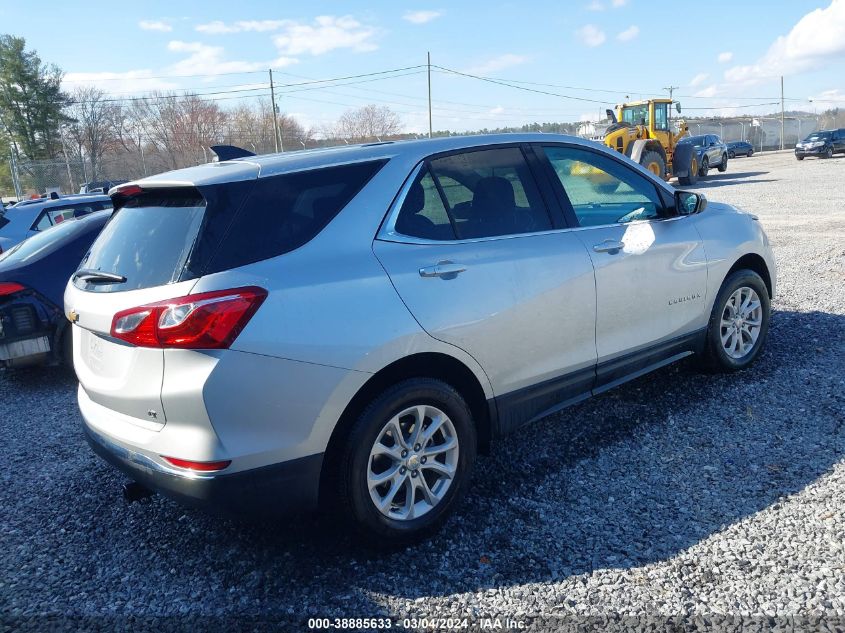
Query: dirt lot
point(679, 494)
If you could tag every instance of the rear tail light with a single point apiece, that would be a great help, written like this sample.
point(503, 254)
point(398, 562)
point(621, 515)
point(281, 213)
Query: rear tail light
point(209, 320)
point(9, 288)
point(203, 467)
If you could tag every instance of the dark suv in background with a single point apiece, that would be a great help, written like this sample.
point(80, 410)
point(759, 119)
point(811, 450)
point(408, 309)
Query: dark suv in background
point(824, 144)
point(711, 152)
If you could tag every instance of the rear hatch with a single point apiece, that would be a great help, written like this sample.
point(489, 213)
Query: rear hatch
point(154, 248)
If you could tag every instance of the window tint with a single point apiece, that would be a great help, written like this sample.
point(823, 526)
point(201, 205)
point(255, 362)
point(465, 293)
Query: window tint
point(601, 189)
point(53, 239)
point(43, 222)
point(423, 213)
point(284, 212)
point(148, 240)
point(490, 193)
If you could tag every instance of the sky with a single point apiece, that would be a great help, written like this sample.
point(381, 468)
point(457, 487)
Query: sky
point(571, 58)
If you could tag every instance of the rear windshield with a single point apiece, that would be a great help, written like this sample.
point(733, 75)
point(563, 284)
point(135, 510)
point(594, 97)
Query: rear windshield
point(148, 240)
point(164, 236)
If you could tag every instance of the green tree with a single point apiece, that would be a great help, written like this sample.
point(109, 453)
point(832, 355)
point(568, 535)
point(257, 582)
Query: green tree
point(31, 100)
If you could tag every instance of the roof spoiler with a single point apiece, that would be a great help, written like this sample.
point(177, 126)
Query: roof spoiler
point(229, 152)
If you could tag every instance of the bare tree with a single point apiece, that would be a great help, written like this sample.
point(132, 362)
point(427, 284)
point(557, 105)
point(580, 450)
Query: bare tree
point(92, 127)
point(368, 123)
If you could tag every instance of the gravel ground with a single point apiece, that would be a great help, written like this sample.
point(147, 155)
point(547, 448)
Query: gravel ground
point(678, 494)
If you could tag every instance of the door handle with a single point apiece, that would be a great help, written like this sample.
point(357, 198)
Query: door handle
point(442, 269)
point(609, 246)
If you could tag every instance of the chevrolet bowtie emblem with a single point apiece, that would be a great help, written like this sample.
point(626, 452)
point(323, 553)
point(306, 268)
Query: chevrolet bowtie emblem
point(73, 316)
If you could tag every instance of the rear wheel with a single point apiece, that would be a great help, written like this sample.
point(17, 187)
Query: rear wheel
point(738, 323)
point(705, 167)
point(67, 347)
point(731, 154)
point(407, 462)
point(654, 162)
point(723, 166)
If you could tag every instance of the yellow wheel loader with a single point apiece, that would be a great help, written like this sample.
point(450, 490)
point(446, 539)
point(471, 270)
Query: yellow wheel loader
point(645, 133)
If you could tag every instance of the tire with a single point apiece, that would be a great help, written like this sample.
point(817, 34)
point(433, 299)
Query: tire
point(723, 166)
point(737, 287)
point(434, 495)
point(654, 163)
point(750, 153)
point(828, 153)
point(67, 348)
point(799, 157)
point(705, 167)
point(731, 155)
point(692, 175)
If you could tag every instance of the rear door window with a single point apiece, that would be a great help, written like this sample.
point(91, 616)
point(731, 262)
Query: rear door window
point(486, 193)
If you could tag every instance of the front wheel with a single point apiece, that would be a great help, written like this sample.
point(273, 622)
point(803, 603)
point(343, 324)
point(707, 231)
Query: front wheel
point(731, 155)
point(828, 153)
point(738, 323)
point(407, 462)
point(750, 153)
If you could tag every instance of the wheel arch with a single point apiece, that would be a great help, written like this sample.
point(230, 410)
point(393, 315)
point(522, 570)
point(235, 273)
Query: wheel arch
point(640, 146)
point(753, 261)
point(435, 365)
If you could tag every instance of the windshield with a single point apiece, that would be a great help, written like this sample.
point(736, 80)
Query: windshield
point(818, 136)
point(635, 115)
point(695, 140)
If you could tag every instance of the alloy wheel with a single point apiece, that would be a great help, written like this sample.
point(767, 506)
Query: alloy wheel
point(413, 462)
point(742, 319)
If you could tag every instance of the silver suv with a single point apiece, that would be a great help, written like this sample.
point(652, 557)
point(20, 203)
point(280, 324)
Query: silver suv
point(352, 325)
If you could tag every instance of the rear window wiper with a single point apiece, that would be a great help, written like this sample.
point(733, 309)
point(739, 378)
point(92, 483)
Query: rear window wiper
point(97, 276)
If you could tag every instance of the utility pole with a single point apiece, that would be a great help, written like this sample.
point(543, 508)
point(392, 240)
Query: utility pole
point(671, 89)
point(430, 131)
point(67, 162)
point(143, 159)
point(782, 146)
point(15, 178)
point(277, 138)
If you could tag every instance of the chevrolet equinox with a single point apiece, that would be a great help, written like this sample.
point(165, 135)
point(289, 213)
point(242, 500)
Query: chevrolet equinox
point(351, 326)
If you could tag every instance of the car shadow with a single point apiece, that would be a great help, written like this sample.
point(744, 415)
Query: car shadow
point(632, 477)
point(718, 179)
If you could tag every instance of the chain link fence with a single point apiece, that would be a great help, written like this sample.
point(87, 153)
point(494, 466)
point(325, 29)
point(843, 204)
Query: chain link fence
point(764, 133)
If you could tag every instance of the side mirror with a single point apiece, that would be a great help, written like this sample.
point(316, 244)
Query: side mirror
point(678, 106)
point(689, 203)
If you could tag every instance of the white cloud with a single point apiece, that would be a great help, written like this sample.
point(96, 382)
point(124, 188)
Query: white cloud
point(725, 57)
point(260, 26)
point(131, 81)
point(834, 98)
point(155, 25)
point(327, 33)
point(629, 34)
point(495, 64)
point(619, 3)
point(421, 17)
point(595, 5)
point(815, 40)
point(699, 79)
point(710, 91)
point(203, 59)
point(591, 35)
point(497, 110)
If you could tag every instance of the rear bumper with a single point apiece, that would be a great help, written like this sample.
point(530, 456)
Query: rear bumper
point(289, 487)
